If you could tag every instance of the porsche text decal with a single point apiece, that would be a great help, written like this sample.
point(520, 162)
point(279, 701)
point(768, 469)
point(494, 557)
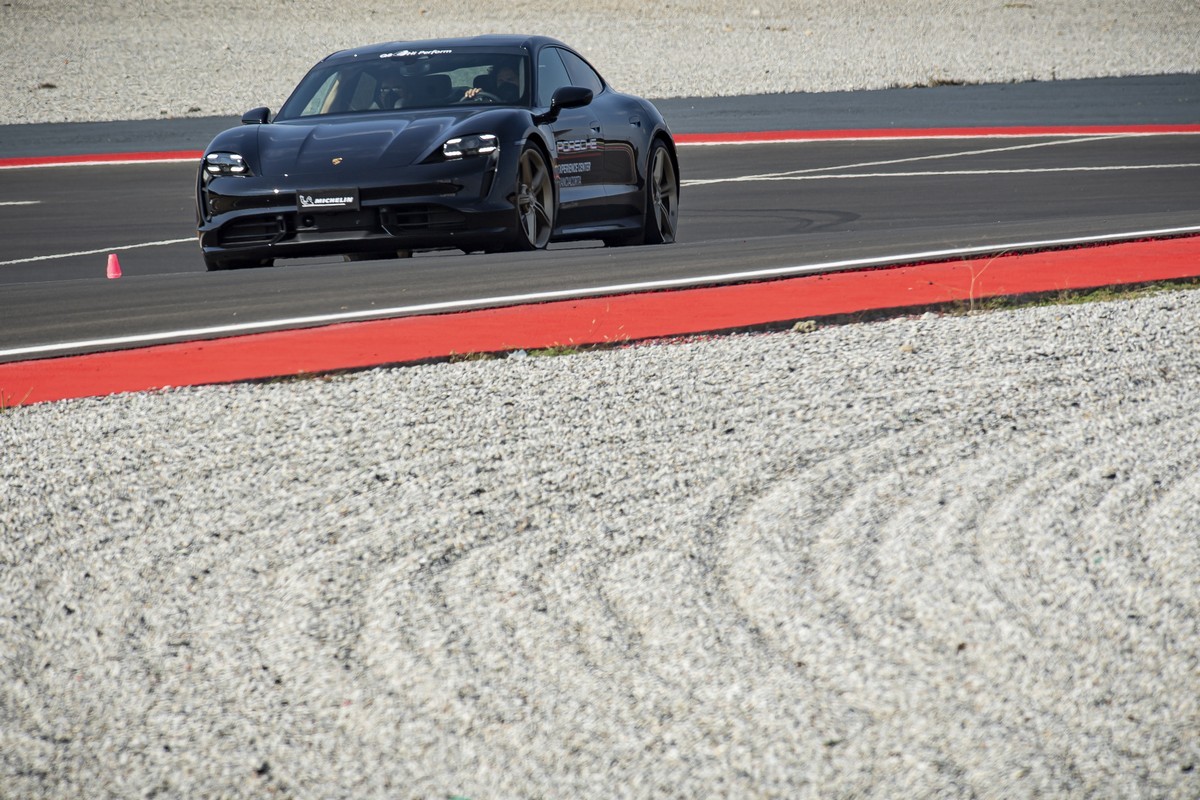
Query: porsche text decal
point(578, 145)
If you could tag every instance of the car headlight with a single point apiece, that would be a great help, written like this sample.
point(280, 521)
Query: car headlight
point(478, 144)
point(221, 164)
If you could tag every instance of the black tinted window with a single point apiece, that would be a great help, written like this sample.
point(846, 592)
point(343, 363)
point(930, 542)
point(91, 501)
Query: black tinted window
point(408, 79)
point(551, 75)
point(581, 72)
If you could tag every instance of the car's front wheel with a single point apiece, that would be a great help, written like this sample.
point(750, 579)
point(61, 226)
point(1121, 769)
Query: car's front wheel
point(534, 200)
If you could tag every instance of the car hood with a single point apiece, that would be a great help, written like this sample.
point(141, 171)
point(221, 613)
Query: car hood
point(379, 141)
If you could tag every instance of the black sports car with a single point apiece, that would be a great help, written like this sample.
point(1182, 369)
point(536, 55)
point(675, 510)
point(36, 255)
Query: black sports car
point(487, 143)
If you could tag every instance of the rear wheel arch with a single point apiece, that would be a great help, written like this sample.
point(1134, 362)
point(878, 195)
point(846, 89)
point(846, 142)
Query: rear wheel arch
point(665, 138)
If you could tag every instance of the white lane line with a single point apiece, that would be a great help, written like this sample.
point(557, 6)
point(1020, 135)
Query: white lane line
point(20, 202)
point(932, 173)
point(116, 249)
point(570, 294)
point(911, 159)
point(923, 137)
point(741, 179)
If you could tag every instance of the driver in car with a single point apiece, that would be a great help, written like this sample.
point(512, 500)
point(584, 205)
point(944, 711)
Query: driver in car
point(507, 86)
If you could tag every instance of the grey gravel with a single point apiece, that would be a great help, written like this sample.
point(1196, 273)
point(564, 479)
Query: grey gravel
point(937, 556)
point(116, 59)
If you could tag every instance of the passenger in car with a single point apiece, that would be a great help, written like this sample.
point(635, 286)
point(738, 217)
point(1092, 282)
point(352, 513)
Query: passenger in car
point(392, 92)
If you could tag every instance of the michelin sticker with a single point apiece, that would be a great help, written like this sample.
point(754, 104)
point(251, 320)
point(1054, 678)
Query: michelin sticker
point(333, 199)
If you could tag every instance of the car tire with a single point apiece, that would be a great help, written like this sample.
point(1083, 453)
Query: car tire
point(661, 215)
point(662, 196)
point(533, 200)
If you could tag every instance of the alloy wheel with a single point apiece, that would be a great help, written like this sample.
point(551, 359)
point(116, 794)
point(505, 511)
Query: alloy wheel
point(535, 200)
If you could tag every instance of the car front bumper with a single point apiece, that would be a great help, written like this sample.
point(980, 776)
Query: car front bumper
point(450, 204)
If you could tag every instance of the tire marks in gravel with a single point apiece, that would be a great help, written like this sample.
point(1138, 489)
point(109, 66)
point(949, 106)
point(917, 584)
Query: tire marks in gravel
point(917, 557)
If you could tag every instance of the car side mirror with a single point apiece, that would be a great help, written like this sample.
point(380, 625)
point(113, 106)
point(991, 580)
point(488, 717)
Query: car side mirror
point(256, 116)
point(565, 97)
point(570, 97)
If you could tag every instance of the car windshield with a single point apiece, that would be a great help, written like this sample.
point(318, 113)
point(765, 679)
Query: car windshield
point(412, 79)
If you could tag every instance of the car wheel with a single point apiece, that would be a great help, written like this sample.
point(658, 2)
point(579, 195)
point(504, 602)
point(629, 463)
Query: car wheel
point(662, 203)
point(534, 201)
point(662, 196)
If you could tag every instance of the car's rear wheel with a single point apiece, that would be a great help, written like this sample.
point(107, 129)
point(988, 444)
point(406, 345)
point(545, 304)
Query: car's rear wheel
point(534, 200)
point(662, 202)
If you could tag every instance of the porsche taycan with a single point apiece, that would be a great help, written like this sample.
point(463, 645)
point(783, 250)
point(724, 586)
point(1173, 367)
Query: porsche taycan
point(488, 143)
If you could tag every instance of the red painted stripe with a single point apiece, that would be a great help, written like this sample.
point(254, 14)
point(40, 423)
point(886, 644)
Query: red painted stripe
point(747, 137)
point(591, 321)
point(926, 133)
point(751, 137)
point(100, 158)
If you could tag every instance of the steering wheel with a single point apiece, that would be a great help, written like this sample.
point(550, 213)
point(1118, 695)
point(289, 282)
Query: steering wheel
point(482, 97)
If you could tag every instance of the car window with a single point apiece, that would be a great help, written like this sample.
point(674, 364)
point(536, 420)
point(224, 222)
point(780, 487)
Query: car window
point(317, 104)
point(364, 92)
point(581, 72)
point(407, 80)
point(552, 75)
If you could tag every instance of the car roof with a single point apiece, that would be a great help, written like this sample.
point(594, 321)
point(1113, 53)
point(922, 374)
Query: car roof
point(490, 40)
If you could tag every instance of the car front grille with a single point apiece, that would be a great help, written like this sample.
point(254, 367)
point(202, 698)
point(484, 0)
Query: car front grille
point(397, 221)
point(383, 194)
point(391, 221)
point(257, 230)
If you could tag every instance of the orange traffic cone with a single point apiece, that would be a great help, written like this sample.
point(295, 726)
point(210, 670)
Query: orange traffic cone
point(114, 266)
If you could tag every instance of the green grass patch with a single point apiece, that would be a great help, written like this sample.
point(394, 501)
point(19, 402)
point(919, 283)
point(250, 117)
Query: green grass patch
point(466, 358)
point(556, 350)
point(1075, 297)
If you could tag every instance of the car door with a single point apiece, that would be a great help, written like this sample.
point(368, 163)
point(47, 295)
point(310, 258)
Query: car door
point(580, 141)
point(624, 134)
